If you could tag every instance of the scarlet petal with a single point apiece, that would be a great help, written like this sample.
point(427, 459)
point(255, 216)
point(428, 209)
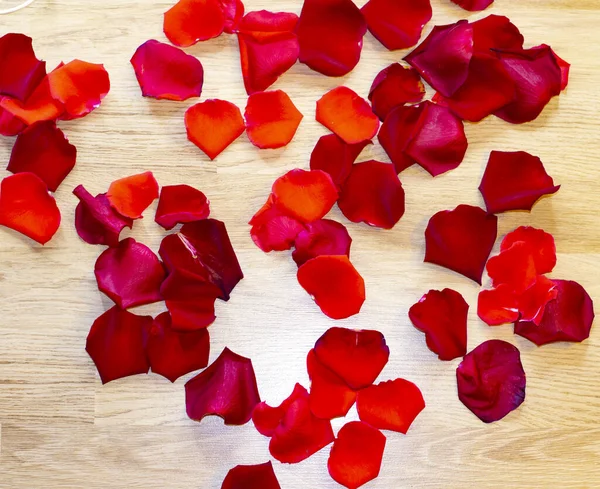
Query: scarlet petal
point(461, 240)
point(166, 72)
point(190, 21)
point(394, 86)
point(514, 266)
point(116, 344)
point(172, 353)
point(227, 388)
point(330, 33)
point(322, 237)
point(391, 405)
point(20, 70)
point(28, 208)
point(498, 306)
point(130, 274)
point(491, 380)
point(266, 419)
point(533, 301)
point(495, 32)
point(356, 455)
point(39, 106)
point(272, 230)
point(233, 11)
point(334, 284)
point(442, 316)
point(473, 5)
point(251, 477)
point(10, 125)
point(131, 196)
point(43, 149)
point(213, 125)
point(180, 204)
point(567, 318)
point(357, 356)
point(540, 243)
point(271, 119)
point(397, 24)
point(373, 194)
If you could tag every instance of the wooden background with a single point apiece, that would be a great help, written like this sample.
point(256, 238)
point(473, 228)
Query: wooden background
point(61, 428)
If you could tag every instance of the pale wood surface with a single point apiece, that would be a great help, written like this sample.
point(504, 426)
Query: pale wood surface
point(61, 428)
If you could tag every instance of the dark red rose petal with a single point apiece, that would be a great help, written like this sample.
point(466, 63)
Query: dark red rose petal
point(495, 32)
point(190, 21)
point(473, 5)
point(130, 274)
point(357, 356)
point(373, 194)
point(397, 24)
point(10, 125)
point(39, 106)
point(180, 204)
point(330, 33)
point(227, 388)
point(266, 419)
point(514, 266)
point(131, 196)
point(116, 344)
point(567, 318)
point(28, 208)
point(172, 353)
point(233, 11)
point(322, 237)
point(179, 254)
point(491, 380)
point(498, 306)
point(272, 230)
point(394, 86)
point(391, 405)
point(356, 455)
point(533, 301)
point(461, 240)
point(20, 70)
point(541, 246)
point(251, 477)
point(43, 149)
point(442, 316)
point(334, 284)
point(166, 72)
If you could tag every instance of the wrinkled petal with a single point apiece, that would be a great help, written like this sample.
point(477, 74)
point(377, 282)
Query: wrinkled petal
point(233, 11)
point(394, 86)
point(322, 237)
point(266, 418)
point(533, 301)
point(495, 32)
point(190, 21)
point(540, 243)
point(272, 230)
point(20, 71)
point(39, 106)
point(131, 196)
point(179, 204)
point(498, 306)
point(473, 5)
point(251, 477)
point(514, 266)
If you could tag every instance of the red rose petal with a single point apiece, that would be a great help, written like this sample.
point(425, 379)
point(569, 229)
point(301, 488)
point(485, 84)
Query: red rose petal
point(567, 318)
point(541, 246)
point(397, 24)
point(131, 196)
point(28, 208)
point(564, 70)
point(272, 230)
point(498, 306)
point(39, 106)
point(442, 316)
point(178, 253)
point(373, 194)
point(190, 21)
point(43, 149)
point(495, 32)
point(357, 356)
point(356, 455)
point(213, 125)
point(394, 86)
point(514, 266)
point(461, 240)
point(251, 477)
point(116, 344)
point(10, 125)
point(533, 301)
point(334, 284)
point(233, 11)
point(271, 119)
point(227, 388)
point(172, 353)
point(346, 114)
point(180, 204)
point(130, 274)
point(322, 237)
point(491, 380)
point(391, 405)
point(266, 419)
point(473, 5)
point(330, 33)
point(20, 70)
point(166, 72)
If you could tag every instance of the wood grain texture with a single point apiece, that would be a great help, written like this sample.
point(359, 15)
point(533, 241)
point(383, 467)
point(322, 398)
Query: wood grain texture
point(61, 429)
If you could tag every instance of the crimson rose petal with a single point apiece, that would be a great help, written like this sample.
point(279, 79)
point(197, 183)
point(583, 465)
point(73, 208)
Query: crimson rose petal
point(20, 70)
point(131, 196)
point(322, 237)
point(498, 306)
point(10, 125)
point(473, 5)
point(233, 11)
point(495, 32)
point(266, 418)
point(394, 86)
point(540, 244)
point(533, 301)
point(251, 477)
point(514, 266)
point(190, 21)
point(272, 230)
point(180, 204)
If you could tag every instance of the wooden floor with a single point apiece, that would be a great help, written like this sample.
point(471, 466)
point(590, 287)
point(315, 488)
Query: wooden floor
point(60, 428)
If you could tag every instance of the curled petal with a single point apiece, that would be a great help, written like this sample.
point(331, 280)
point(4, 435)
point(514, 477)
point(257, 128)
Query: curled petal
point(540, 243)
point(20, 71)
point(332, 155)
point(131, 196)
point(322, 237)
point(272, 230)
point(233, 11)
point(180, 204)
point(533, 301)
point(461, 240)
point(473, 5)
point(498, 306)
point(495, 32)
point(491, 380)
point(39, 106)
point(394, 86)
point(227, 388)
point(514, 266)
point(251, 477)
point(266, 418)
point(190, 21)
point(10, 125)
point(391, 405)
point(116, 344)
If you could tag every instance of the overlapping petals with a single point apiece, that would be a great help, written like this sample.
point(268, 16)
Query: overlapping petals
point(179, 204)
point(251, 477)
point(20, 71)
point(322, 237)
point(131, 196)
point(394, 86)
point(272, 229)
point(190, 21)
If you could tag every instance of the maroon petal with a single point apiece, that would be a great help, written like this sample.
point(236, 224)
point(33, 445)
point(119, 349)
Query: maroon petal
point(266, 418)
point(20, 71)
point(540, 243)
point(323, 237)
point(491, 380)
point(116, 344)
point(394, 86)
point(473, 5)
point(178, 254)
point(180, 204)
point(272, 230)
point(227, 388)
point(495, 32)
point(251, 477)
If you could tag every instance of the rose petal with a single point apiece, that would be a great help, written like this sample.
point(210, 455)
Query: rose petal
point(227, 388)
point(233, 11)
point(322, 237)
point(28, 208)
point(43, 149)
point(391, 405)
point(266, 419)
point(533, 301)
point(330, 33)
point(213, 125)
point(251, 477)
point(166, 72)
point(190, 21)
point(356, 455)
point(180, 204)
point(357, 356)
point(495, 32)
point(541, 246)
point(491, 380)
point(131, 196)
point(178, 253)
point(272, 230)
point(10, 125)
point(564, 70)
point(20, 70)
point(130, 274)
point(172, 353)
point(346, 114)
point(116, 344)
point(473, 5)
point(514, 266)
point(442, 316)
point(271, 119)
point(394, 86)
point(39, 106)
point(461, 240)
point(397, 24)
point(373, 194)
point(334, 284)
point(498, 306)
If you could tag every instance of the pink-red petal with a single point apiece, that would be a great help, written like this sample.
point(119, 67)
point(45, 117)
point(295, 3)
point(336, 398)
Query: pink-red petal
point(322, 237)
point(251, 477)
point(131, 196)
point(233, 11)
point(394, 86)
point(179, 204)
point(190, 21)
point(20, 71)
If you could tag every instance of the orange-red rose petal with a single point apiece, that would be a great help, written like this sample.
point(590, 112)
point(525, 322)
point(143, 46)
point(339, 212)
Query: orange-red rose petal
point(179, 204)
point(20, 71)
point(322, 237)
point(131, 196)
point(190, 21)
point(499, 305)
point(394, 86)
point(473, 5)
point(251, 477)
point(540, 243)
point(39, 106)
